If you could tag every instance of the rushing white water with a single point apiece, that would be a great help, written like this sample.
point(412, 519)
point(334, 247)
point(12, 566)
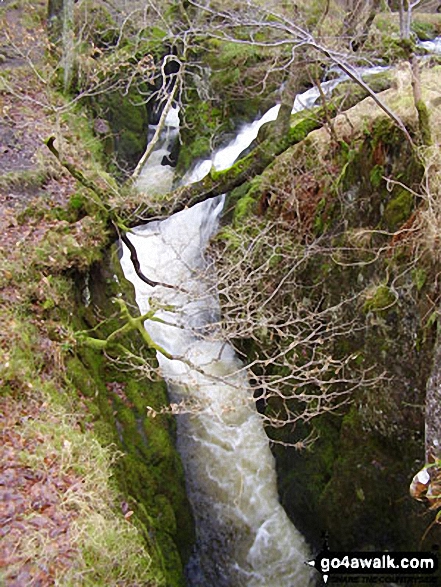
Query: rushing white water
point(156, 178)
point(244, 537)
point(226, 156)
point(433, 46)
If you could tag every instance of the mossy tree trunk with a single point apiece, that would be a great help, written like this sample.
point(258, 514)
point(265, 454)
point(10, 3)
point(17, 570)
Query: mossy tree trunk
point(405, 11)
point(292, 87)
point(214, 184)
point(69, 58)
point(55, 20)
point(60, 27)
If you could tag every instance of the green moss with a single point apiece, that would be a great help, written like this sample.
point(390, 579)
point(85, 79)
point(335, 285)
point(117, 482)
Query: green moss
point(128, 119)
point(424, 123)
point(398, 209)
point(349, 161)
point(80, 376)
point(376, 175)
point(150, 473)
point(233, 197)
point(425, 31)
point(80, 132)
point(419, 277)
point(385, 132)
point(63, 249)
point(244, 208)
point(320, 217)
point(202, 121)
point(381, 298)
point(77, 201)
point(191, 152)
point(300, 129)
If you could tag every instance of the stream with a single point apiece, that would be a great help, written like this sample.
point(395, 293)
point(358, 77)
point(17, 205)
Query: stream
point(244, 537)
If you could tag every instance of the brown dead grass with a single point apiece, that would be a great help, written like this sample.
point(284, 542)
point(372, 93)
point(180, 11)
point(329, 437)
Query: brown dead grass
point(35, 527)
point(61, 518)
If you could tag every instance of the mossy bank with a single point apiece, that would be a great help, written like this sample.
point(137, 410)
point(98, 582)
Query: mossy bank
point(149, 471)
point(349, 212)
point(95, 489)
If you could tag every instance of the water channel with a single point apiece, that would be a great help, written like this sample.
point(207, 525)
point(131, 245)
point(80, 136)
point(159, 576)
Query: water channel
point(244, 537)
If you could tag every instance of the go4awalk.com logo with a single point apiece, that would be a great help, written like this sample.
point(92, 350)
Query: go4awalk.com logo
point(380, 564)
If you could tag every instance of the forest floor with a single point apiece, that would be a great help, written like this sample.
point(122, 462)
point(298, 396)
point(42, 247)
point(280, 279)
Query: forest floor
point(32, 514)
point(41, 484)
point(29, 178)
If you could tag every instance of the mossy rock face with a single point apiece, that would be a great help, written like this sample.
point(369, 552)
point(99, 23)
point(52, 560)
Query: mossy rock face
point(203, 120)
point(367, 453)
point(369, 485)
point(128, 119)
point(364, 460)
point(303, 477)
point(370, 200)
point(149, 472)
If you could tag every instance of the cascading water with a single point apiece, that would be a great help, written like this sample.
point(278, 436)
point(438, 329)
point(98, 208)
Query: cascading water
point(155, 177)
point(244, 537)
point(225, 157)
point(433, 46)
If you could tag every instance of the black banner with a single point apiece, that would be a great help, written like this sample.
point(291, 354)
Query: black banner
point(399, 564)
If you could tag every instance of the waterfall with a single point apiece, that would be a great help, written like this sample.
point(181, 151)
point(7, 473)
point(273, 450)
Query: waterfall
point(433, 46)
point(226, 156)
point(156, 178)
point(244, 537)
